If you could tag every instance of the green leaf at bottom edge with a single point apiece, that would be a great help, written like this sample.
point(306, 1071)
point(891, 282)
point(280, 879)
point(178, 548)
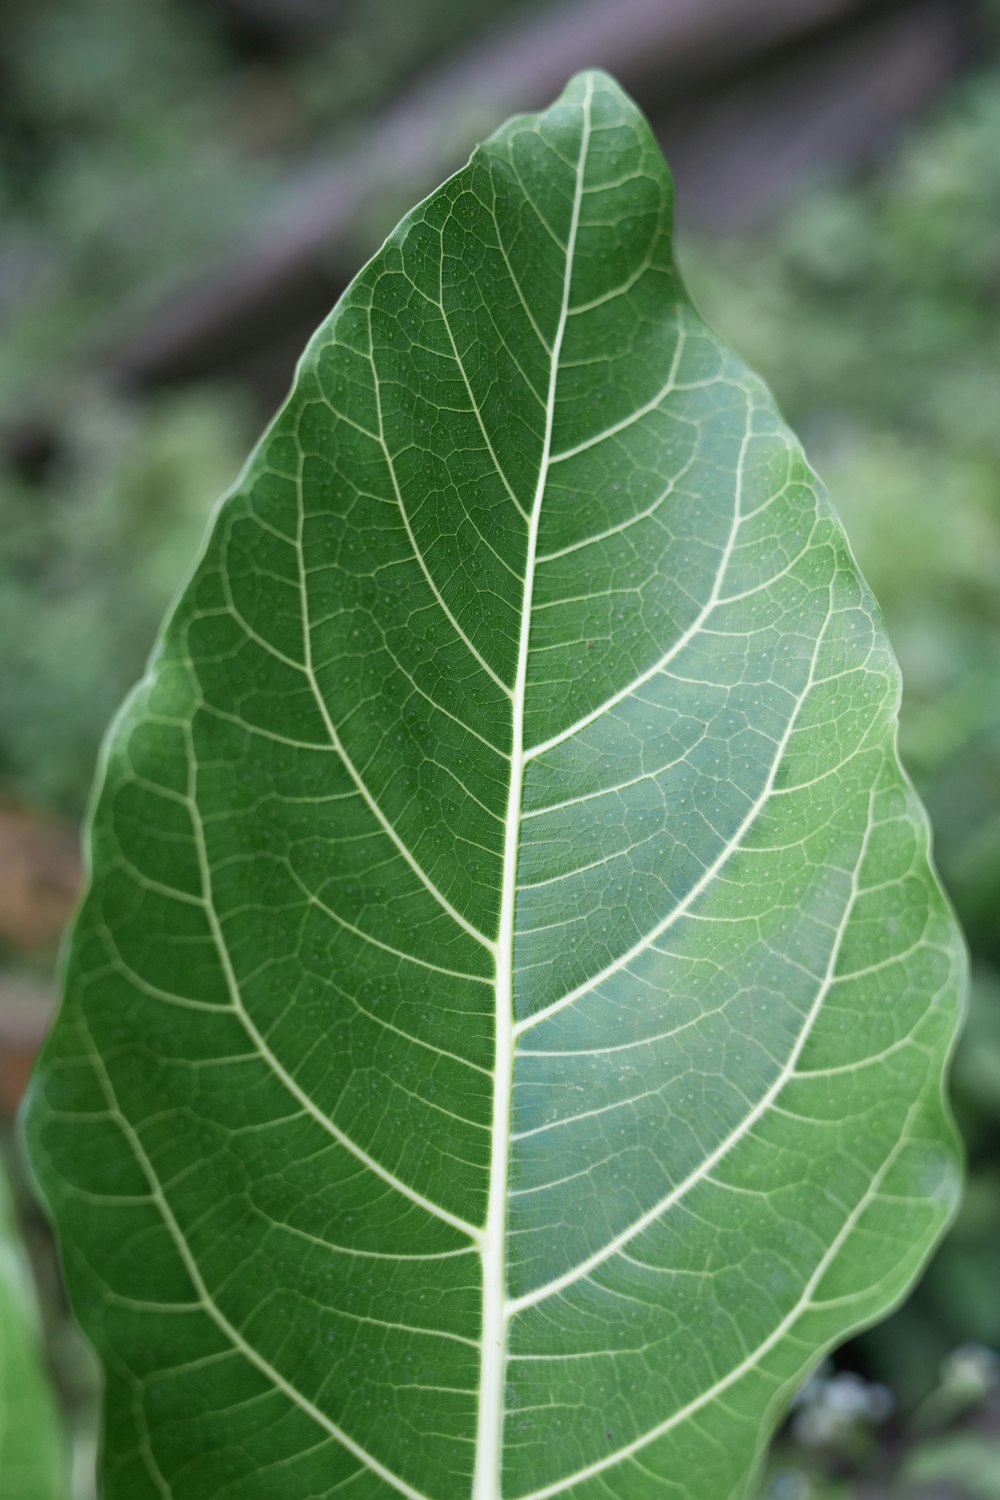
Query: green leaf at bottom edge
point(32, 1451)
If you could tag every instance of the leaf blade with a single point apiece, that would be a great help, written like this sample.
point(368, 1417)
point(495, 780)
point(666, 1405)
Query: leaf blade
point(526, 717)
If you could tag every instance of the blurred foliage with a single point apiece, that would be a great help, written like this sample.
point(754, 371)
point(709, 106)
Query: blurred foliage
point(87, 568)
point(846, 1440)
point(964, 1459)
point(137, 139)
point(134, 142)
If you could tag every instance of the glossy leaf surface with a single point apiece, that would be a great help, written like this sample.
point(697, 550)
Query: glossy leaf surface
point(504, 1036)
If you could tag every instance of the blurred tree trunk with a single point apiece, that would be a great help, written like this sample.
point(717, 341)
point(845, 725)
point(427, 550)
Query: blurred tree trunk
point(748, 94)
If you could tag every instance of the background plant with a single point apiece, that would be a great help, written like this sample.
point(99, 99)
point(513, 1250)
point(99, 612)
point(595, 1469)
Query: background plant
point(869, 299)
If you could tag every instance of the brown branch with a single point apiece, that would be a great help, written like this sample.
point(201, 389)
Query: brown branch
point(318, 231)
point(750, 145)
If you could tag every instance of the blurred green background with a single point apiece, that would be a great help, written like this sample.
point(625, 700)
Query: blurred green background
point(186, 185)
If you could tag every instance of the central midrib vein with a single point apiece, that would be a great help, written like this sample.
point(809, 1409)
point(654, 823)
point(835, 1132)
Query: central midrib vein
point(496, 1312)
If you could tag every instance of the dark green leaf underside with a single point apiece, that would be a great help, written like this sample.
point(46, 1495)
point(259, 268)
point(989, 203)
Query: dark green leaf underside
point(505, 1030)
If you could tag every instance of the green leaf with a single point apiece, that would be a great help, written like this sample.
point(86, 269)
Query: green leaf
point(32, 1454)
point(507, 1023)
